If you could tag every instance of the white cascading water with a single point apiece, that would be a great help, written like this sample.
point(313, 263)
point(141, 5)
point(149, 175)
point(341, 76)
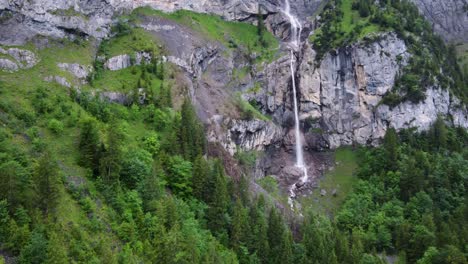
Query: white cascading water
point(296, 29)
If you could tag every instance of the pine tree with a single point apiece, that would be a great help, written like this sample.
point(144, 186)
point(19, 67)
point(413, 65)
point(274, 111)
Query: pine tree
point(14, 183)
point(56, 252)
point(217, 199)
point(391, 148)
point(199, 178)
point(167, 96)
point(277, 239)
point(259, 226)
point(243, 190)
point(439, 133)
point(357, 248)
point(191, 134)
point(240, 228)
point(112, 156)
point(47, 182)
point(89, 145)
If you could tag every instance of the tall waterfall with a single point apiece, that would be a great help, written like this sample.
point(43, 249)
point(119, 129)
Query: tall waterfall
point(294, 44)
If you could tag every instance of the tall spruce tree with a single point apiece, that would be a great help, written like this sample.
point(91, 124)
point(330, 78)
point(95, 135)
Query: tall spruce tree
point(218, 199)
point(391, 148)
point(277, 239)
point(112, 156)
point(199, 178)
point(47, 183)
point(191, 134)
point(90, 145)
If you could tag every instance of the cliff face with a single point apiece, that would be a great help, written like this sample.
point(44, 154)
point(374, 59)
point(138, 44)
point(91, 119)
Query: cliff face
point(21, 20)
point(339, 98)
point(343, 95)
point(449, 18)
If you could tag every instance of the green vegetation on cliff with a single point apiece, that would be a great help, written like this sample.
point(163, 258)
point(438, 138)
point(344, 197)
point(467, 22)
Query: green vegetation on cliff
point(85, 180)
point(432, 63)
point(234, 35)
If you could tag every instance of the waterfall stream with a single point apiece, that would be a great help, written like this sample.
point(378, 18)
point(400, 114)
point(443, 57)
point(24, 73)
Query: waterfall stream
point(294, 44)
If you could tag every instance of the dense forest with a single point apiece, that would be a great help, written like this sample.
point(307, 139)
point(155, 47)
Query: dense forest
point(85, 180)
point(176, 205)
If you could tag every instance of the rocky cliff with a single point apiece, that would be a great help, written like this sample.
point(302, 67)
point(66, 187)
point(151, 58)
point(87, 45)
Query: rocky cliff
point(340, 98)
point(22, 20)
point(449, 18)
point(343, 95)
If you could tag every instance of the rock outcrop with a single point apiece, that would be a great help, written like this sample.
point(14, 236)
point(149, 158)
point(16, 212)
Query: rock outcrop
point(449, 18)
point(126, 60)
point(17, 59)
point(79, 71)
point(24, 19)
point(342, 96)
point(244, 134)
point(58, 79)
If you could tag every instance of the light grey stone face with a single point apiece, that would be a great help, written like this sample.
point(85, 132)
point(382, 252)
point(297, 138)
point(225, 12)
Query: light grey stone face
point(449, 18)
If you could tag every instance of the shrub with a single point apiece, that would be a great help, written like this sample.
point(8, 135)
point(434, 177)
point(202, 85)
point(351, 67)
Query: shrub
point(55, 126)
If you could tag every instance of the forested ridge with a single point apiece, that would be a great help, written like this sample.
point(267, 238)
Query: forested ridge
point(87, 180)
point(166, 202)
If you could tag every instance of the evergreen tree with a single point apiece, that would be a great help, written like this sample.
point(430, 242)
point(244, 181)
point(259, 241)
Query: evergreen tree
point(318, 242)
point(112, 156)
point(439, 133)
point(89, 145)
point(217, 200)
point(277, 238)
point(243, 190)
point(199, 178)
point(47, 182)
point(391, 148)
point(56, 252)
point(240, 229)
point(259, 238)
point(191, 134)
point(35, 251)
point(14, 183)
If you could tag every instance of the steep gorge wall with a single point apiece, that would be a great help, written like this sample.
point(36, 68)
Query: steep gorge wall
point(449, 18)
point(343, 94)
point(340, 98)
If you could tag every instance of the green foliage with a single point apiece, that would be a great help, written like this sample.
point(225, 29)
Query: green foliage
point(217, 199)
point(234, 35)
point(55, 126)
point(247, 159)
point(179, 176)
point(346, 21)
point(342, 25)
point(113, 154)
point(404, 204)
point(136, 166)
point(201, 172)
point(35, 251)
point(90, 145)
point(279, 239)
point(247, 110)
point(56, 251)
point(191, 132)
point(47, 180)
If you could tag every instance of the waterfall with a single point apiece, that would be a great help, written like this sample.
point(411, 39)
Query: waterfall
point(294, 44)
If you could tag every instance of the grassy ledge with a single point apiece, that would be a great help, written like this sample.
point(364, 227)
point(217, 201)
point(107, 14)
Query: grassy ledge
point(230, 34)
